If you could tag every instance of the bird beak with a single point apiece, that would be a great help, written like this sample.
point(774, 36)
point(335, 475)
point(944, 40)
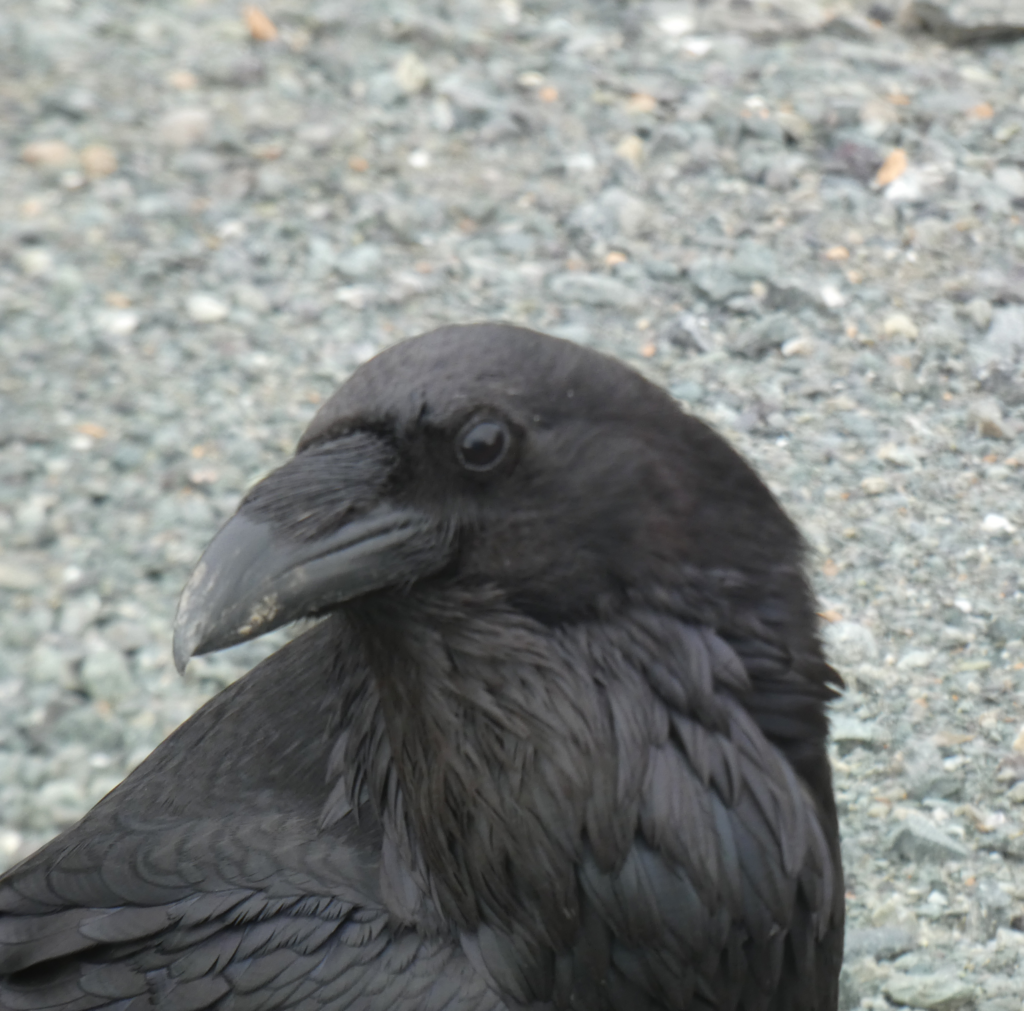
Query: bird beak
point(257, 575)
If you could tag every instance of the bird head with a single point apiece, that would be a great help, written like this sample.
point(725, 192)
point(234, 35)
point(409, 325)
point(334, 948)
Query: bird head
point(495, 457)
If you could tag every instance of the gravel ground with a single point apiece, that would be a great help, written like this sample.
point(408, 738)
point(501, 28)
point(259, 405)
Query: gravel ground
point(804, 220)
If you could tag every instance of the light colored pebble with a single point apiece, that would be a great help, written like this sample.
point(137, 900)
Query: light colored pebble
point(184, 127)
point(929, 991)
point(994, 523)
point(206, 308)
point(899, 324)
point(48, 155)
point(78, 613)
point(916, 659)
point(98, 160)
point(980, 312)
point(411, 73)
point(850, 643)
point(1010, 179)
point(118, 322)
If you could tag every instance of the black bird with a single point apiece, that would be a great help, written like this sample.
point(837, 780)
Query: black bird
point(558, 740)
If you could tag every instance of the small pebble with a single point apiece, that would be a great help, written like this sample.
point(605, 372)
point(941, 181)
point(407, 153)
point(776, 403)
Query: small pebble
point(205, 308)
point(105, 674)
point(980, 312)
point(411, 73)
point(899, 324)
point(79, 613)
point(595, 289)
point(993, 523)
point(98, 160)
point(920, 839)
point(48, 155)
point(929, 991)
point(261, 28)
point(916, 659)
point(184, 127)
point(987, 416)
point(850, 643)
point(119, 322)
point(631, 149)
point(1016, 794)
point(1010, 179)
point(36, 261)
point(875, 484)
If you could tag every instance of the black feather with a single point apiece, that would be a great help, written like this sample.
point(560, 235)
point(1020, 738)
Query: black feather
point(558, 741)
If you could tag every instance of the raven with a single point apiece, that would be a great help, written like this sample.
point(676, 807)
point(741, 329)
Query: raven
point(557, 742)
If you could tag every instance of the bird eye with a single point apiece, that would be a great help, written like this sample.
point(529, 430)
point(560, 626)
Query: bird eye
point(482, 445)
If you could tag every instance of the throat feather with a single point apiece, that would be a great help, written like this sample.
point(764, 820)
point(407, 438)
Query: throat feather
point(497, 755)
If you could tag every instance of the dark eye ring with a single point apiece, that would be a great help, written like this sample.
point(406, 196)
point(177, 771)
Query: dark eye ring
point(483, 443)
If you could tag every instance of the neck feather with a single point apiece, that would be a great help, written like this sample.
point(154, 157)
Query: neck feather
point(496, 752)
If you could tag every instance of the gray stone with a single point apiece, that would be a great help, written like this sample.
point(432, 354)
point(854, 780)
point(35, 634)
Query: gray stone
point(688, 331)
point(628, 214)
point(362, 261)
point(663, 270)
point(980, 311)
point(913, 659)
point(616, 213)
point(791, 294)
point(850, 733)
point(849, 643)
point(1005, 628)
point(757, 339)
point(924, 773)
point(999, 356)
point(105, 673)
point(234, 70)
point(999, 1004)
point(15, 575)
point(203, 307)
point(184, 127)
point(851, 25)
point(987, 416)
point(322, 257)
point(79, 613)
point(878, 942)
point(595, 289)
point(938, 991)
point(859, 978)
point(754, 261)
point(125, 635)
point(87, 724)
point(969, 21)
point(921, 840)
point(1010, 179)
point(384, 89)
point(717, 281)
point(47, 665)
point(991, 908)
point(78, 103)
point(276, 179)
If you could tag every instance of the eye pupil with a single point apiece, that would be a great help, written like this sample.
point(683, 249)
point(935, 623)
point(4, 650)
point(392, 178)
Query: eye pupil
point(482, 445)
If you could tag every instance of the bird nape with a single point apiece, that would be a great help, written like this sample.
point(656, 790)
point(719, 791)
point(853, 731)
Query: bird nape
point(557, 741)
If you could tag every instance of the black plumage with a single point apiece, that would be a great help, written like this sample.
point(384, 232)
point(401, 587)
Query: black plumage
point(557, 742)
